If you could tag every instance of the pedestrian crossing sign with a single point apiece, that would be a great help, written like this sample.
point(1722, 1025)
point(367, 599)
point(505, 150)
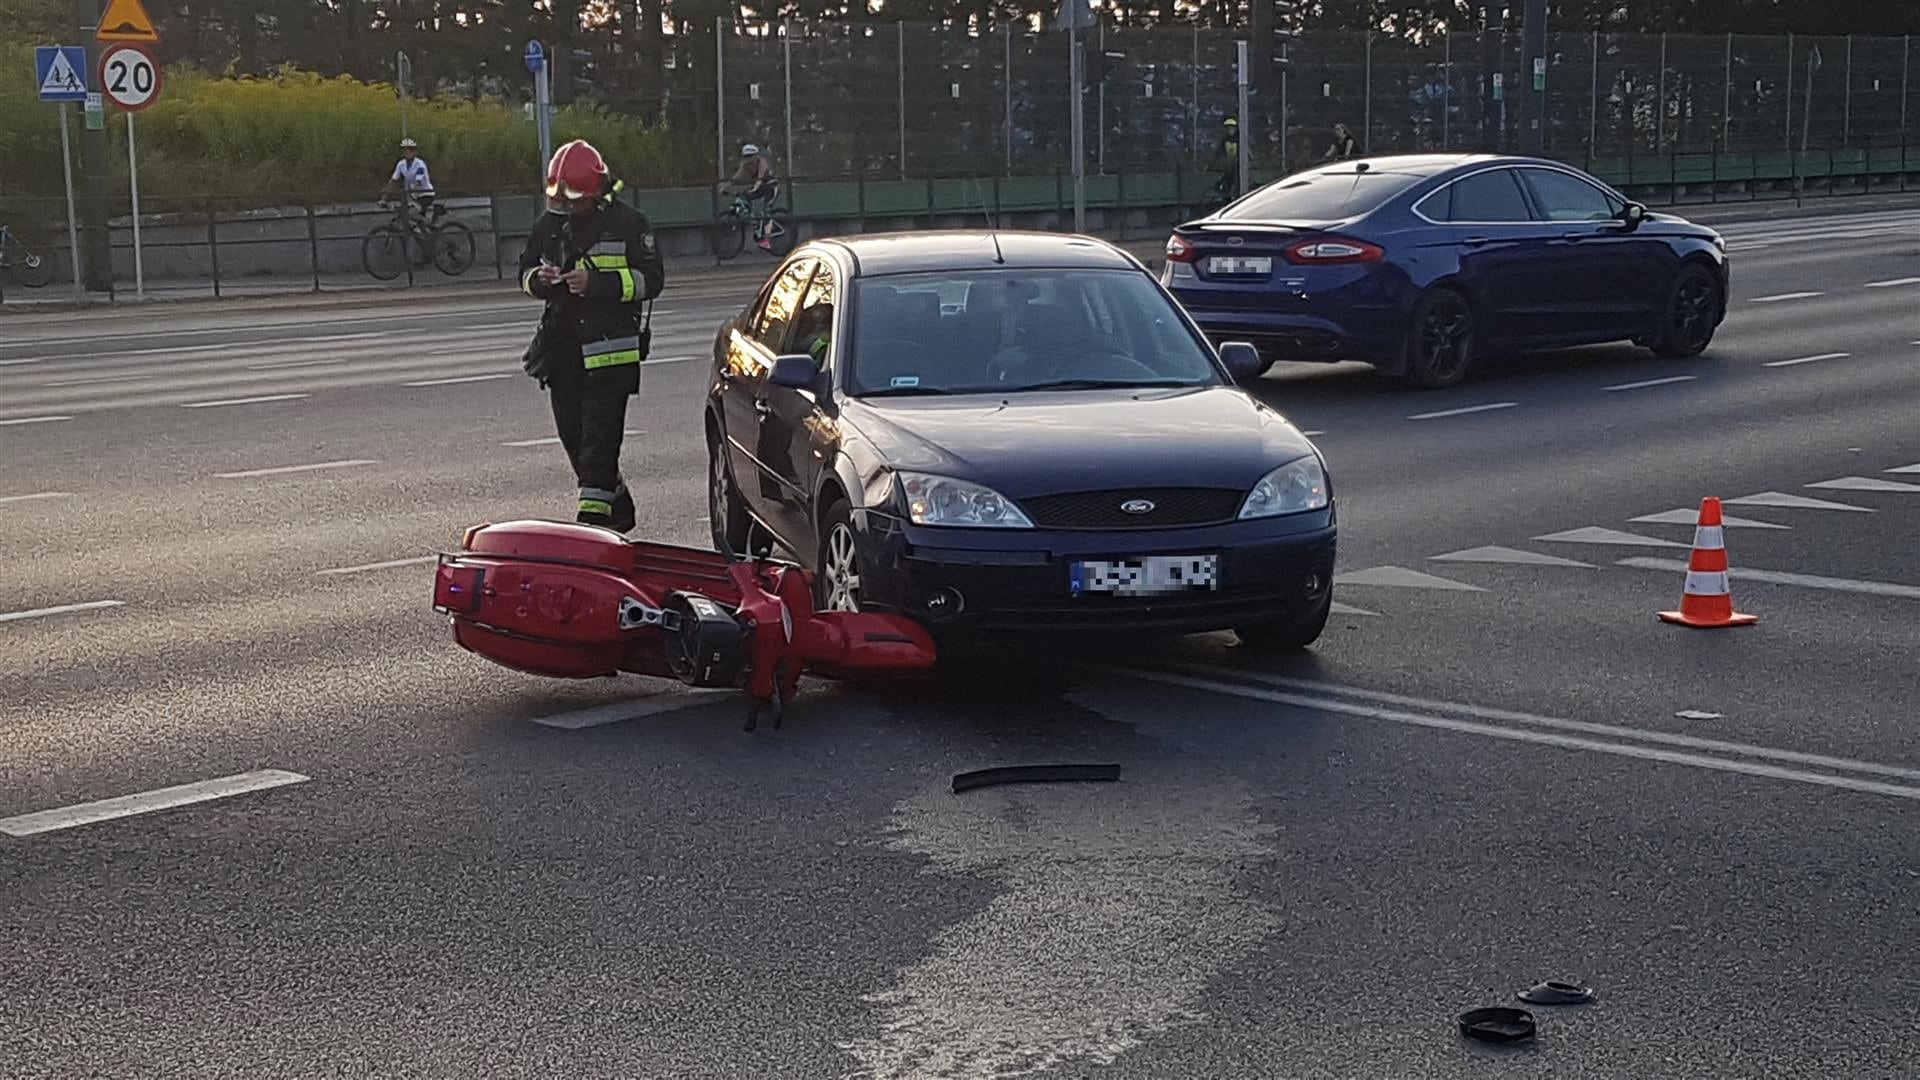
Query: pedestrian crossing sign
point(59, 71)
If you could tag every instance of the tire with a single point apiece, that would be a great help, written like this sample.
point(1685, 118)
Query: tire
point(1693, 309)
point(452, 248)
point(1289, 635)
point(1440, 342)
point(781, 236)
point(30, 268)
point(732, 526)
point(727, 236)
point(384, 252)
point(838, 556)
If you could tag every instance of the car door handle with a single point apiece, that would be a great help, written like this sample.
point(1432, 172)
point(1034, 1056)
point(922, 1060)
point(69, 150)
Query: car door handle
point(1474, 241)
point(1573, 236)
point(761, 406)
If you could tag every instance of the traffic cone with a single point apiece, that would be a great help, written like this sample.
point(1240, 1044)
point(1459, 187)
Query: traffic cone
point(1708, 599)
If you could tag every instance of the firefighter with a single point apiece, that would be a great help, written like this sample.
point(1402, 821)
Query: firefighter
point(593, 259)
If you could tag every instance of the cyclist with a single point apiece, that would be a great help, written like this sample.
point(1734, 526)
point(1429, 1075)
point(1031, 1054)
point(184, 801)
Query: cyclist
point(754, 181)
point(1226, 161)
point(411, 177)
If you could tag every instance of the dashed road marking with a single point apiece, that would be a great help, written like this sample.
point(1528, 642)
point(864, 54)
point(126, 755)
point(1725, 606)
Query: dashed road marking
point(68, 817)
point(36, 496)
point(1807, 359)
point(1785, 501)
point(1691, 516)
point(63, 609)
point(1865, 483)
point(461, 379)
point(34, 420)
point(1463, 412)
point(1508, 555)
point(1778, 297)
point(417, 560)
point(1652, 382)
point(285, 365)
point(1348, 609)
point(1399, 577)
point(1914, 468)
point(98, 379)
point(1891, 283)
point(285, 469)
point(1593, 534)
point(1777, 577)
point(242, 401)
point(621, 711)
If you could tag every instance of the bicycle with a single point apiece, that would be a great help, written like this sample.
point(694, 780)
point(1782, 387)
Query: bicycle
point(728, 233)
point(26, 266)
point(388, 247)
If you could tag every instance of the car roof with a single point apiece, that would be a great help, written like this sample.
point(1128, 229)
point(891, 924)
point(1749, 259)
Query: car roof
point(1406, 164)
point(975, 249)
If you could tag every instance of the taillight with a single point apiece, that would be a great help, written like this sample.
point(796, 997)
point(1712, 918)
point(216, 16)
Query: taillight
point(1333, 250)
point(1178, 250)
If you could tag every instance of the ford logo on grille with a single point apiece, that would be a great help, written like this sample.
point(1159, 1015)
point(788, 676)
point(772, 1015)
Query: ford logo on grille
point(1136, 506)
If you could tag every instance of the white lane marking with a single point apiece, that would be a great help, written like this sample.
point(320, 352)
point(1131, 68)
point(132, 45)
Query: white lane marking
point(1784, 296)
point(1691, 516)
point(1347, 609)
point(1777, 577)
point(1593, 534)
point(64, 609)
point(36, 496)
point(1646, 753)
point(389, 564)
point(97, 379)
point(460, 379)
point(1891, 283)
point(34, 420)
point(1807, 359)
point(1508, 555)
point(68, 817)
point(1399, 577)
point(175, 350)
point(1793, 502)
point(1691, 742)
point(1465, 411)
point(1652, 382)
point(242, 401)
point(284, 469)
point(1915, 468)
point(1865, 483)
point(621, 711)
point(284, 365)
point(554, 440)
point(1311, 434)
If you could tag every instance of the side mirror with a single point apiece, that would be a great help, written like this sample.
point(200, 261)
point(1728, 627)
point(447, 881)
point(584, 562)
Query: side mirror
point(797, 371)
point(1242, 361)
point(1633, 215)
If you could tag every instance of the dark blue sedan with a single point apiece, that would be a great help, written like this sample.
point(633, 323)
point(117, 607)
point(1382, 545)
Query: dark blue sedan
point(1421, 264)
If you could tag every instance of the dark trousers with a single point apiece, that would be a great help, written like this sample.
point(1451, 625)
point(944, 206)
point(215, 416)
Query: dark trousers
point(590, 416)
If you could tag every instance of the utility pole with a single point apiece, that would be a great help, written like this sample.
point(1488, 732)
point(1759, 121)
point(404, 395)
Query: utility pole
point(1534, 102)
point(98, 269)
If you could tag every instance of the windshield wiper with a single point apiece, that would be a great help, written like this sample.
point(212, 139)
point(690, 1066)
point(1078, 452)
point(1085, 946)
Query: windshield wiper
point(907, 391)
point(1098, 384)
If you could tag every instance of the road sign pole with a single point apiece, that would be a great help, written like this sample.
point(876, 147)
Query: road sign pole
point(133, 181)
point(93, 168)
point(66, 166)
point(1242, 77)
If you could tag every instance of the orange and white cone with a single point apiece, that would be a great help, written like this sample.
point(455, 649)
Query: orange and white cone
point(1708, 599)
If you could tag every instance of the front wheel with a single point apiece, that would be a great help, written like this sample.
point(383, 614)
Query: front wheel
point(836, 582)
point(1692, 310)
point(1440, 343)
point(727, 236)
point(452, 248)
point(733, 528)
point(384, 252)
point(30, 268)
point(779, 233)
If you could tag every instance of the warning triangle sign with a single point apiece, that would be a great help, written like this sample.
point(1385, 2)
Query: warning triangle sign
point(62, 79)
point(126, 20)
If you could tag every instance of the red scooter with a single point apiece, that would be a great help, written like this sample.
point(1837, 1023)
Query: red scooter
point(580, 602)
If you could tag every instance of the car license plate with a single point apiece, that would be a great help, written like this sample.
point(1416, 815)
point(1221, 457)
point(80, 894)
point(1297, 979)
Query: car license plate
point(1156, 575)
point(1237, 265)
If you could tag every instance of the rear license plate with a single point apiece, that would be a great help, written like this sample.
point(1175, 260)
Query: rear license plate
point(1156, 575)
point(1239, 265)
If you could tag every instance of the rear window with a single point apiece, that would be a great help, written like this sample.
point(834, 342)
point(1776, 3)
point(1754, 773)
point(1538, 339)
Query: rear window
point(1324, 196)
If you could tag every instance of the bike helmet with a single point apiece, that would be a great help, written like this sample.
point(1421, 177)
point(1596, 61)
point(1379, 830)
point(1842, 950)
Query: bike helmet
point(749, 150)
point(408, 144)
point(576, 174)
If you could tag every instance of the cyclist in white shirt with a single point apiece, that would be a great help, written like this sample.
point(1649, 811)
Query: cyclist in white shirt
point(410, 175)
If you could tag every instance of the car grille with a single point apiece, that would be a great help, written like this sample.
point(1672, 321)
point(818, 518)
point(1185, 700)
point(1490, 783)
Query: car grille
point(1101, 509)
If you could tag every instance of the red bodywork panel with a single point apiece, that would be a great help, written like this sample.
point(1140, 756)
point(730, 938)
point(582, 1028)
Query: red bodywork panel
point(577, 602)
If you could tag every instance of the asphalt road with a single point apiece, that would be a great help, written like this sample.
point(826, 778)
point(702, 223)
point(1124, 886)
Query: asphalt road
point(1497, 767)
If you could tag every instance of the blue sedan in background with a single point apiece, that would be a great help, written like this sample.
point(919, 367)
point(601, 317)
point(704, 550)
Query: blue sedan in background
point(1420, 264)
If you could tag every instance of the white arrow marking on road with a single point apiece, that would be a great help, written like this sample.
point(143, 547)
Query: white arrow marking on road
point(1653, 382)
point(1593, 534)
point(1347, 609)
point(1915, 468)
point(1509, 555)
point(284, 469)
point(388, 565)
point(242, 401)
point(1893, 283)
point(1777, 577)
point(36, 496)
point(145, 803)
point(1793, 502)
point(1399, 577)
point(621, 711)
point(1785, 296)
point(1807, 359)
point(1691, 516)
point(1865, 483)
point(461, 379)
point(1465, 411)
point(64, 609)
point(34, 420)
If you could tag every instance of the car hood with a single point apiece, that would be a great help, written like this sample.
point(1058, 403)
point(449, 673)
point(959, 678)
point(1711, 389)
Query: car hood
point(1084, 440)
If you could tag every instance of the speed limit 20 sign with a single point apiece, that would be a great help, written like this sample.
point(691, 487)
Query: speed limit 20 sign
point(129, 76)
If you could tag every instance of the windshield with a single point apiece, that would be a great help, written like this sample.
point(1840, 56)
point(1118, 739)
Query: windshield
point(1007, 331)
point(1323, 196)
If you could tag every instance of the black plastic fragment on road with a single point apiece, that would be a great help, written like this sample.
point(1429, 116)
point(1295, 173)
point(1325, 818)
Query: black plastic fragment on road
point(1498, 1024)
point(1556, 992)
point(1034, 774)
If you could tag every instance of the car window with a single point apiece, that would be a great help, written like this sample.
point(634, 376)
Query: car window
point(1321, 196)
point(771, 325)
point(813, 327)
point(1007, 331)
point(1564, 197)
point(1490, 196)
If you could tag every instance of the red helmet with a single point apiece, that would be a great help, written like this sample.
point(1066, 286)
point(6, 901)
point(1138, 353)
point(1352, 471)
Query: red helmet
point(576, 173)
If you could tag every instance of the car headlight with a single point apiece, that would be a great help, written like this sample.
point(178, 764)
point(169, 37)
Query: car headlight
point(941, 500)
point(1292, 488)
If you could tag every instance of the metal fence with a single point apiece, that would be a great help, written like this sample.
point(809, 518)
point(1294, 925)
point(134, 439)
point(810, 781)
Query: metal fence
point(906, 100)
